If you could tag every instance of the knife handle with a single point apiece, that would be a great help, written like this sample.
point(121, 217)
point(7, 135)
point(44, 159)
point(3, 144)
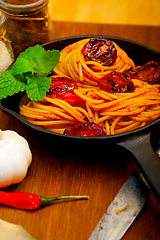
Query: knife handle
point(146, 159)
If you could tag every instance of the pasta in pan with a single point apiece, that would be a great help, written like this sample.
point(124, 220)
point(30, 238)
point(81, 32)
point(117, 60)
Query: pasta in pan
point(87, 102)
point(73, 64)
point(115, 112)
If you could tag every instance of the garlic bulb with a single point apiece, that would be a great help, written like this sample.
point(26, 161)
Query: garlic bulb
point(15, 158)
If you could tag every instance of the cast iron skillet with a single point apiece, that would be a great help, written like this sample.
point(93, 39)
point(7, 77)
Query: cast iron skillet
point(137, 142)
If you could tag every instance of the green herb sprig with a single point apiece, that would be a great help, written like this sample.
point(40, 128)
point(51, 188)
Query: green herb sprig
point(29, 73)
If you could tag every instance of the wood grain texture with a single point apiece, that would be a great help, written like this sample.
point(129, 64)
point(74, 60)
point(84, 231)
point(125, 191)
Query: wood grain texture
point(96, 171)
point(137, 12)
point(147, 35)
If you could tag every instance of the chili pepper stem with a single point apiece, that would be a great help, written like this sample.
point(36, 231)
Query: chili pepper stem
point(46, 200)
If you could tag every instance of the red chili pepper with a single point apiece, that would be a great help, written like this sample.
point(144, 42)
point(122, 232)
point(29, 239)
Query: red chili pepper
point(30, 201)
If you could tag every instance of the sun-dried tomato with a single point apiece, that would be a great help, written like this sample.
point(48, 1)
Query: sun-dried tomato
point(85, 130)
point(116, 82)
point(63, 88)
point(149, 72)
point(73, 99)
point(101, 50)
point(60, 86)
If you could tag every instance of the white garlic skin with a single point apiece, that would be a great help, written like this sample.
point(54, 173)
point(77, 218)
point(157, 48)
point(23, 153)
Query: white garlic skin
point(15, 158)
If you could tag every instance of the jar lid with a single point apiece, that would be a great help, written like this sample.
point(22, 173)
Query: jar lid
point(15, 9)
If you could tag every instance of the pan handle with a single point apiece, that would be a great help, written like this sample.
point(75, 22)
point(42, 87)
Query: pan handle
point(146, 159)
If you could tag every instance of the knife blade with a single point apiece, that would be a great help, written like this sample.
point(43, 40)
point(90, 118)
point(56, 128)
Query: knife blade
point(123, 210)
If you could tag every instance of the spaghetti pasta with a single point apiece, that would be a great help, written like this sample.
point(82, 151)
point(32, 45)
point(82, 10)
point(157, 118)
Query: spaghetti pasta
point(114, 112)
point(122, 112)
point(73, 64)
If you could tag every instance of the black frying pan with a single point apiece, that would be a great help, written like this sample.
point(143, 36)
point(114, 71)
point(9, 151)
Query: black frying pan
point(137, 142)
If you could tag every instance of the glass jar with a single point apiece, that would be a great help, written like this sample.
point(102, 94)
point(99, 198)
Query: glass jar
point(28, 23)
point(6, 53)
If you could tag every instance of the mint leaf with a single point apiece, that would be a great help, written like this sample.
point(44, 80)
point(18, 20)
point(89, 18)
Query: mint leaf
point(21, 66)
point(45, 64)
point(37, 87)
point(31, 52)
point(37, 60)
point(26, 60)
point(9, 85)
point(30, 73)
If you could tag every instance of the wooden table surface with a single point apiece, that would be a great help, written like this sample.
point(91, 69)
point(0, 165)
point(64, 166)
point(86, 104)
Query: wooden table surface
point(114, 12)
point(98, 173)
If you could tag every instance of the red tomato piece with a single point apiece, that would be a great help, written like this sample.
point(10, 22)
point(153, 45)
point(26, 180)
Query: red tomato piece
point(63, 88)
point(101, 50)
point(60, 86)
point(73, 99)
point(85, 130)
point(149, 72)
point(116, 82)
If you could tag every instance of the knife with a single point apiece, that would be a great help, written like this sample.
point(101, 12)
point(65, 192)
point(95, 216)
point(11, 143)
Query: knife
point(123, 210)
